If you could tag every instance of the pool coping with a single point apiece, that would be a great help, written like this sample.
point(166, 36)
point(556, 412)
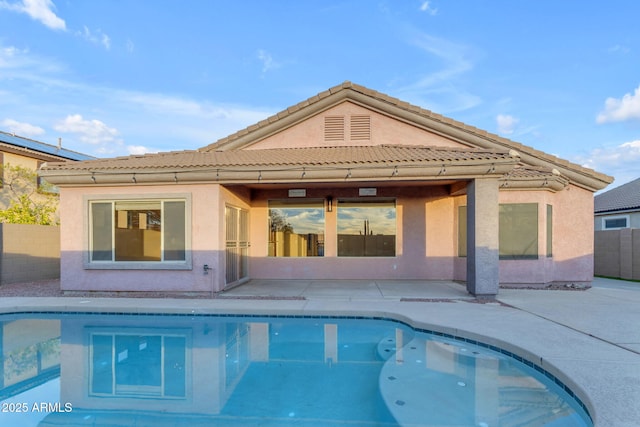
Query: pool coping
point(568, 355)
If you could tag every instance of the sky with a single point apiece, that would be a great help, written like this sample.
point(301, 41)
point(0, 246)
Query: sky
point(120, 77)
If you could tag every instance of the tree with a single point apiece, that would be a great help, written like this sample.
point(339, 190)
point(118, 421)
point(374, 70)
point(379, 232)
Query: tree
point(279, 221)
point(30, 200)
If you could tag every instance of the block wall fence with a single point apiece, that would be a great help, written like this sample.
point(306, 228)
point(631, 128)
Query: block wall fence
point(617, 253)
point(29, 253)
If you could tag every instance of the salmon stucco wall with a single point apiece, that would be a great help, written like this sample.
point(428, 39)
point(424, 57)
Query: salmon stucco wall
point(383, 130)
point(205, 242)
point(424, 239)
point(572, 236)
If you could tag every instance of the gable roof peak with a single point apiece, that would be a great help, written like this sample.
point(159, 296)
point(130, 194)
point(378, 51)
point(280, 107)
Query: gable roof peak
point(465, 134)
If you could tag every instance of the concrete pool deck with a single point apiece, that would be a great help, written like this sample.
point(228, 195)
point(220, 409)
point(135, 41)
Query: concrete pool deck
point(588, 339)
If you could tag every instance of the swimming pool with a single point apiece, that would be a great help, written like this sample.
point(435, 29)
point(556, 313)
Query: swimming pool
point(89, 369)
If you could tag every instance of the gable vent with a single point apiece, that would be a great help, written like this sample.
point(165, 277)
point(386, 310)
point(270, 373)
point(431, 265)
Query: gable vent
point(360, 128)
point(334, 128)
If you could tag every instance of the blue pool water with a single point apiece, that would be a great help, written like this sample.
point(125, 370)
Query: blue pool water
point(145, 370)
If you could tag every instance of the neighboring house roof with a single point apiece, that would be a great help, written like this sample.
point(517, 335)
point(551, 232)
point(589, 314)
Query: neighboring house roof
point(233, 159)
point(37, 149)
point(623, 198)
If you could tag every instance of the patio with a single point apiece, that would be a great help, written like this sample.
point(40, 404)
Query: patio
point(351, 290)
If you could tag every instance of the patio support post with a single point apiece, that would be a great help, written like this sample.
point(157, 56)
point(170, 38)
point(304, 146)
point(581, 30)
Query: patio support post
point(483, 269)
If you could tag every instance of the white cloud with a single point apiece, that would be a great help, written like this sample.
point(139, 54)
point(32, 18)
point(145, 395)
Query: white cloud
point(174, 105)
point(620, 49)
point(39, 10)
point(97, 37)
point(506, 124)
point(157, 121)
point(620, 110)
point(268, 63)
point(438, 89)
point(22, 129)
point(620, 161)
point(106, 41)
point(454, 56)
point(22, 64)
point(426, 7)
point(138, 149)
point(130, 46)
point(93, 132)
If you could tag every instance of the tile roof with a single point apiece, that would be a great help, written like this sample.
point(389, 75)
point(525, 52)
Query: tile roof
point(308, 156)
point(524, 171)
point(525, 176)
point(624, 197)
point(592, 179)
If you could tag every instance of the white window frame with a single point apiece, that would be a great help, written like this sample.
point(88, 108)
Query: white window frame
point(89, 264)
point(627, 219)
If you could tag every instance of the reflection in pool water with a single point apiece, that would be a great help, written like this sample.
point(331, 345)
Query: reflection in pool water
point(132, 370)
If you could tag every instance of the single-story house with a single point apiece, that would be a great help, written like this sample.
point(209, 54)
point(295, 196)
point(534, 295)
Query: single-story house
point(618, 208)
point(349, 184)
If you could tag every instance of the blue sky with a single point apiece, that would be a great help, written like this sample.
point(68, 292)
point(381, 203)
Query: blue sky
point(118, 77)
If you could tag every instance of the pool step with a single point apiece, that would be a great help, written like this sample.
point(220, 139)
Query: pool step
point(386, 348)
point(421, 392)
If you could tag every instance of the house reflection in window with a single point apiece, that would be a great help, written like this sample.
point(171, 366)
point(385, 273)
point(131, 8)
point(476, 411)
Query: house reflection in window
point(138, 365)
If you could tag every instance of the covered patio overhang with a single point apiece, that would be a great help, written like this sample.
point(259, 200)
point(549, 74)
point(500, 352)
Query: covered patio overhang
point(384, 165)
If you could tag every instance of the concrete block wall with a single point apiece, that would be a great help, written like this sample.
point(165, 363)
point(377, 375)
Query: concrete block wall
point(617, 253)
point(29, 253)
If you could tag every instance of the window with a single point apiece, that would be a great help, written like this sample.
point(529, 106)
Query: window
point(519, 231)
point(137, 231)
point(462, 231)
point(296, 228)
point(142, 365)
point(615, 222)
point(366, 228)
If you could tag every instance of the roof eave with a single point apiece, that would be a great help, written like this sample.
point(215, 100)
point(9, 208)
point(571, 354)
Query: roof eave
point(296, 174)
point(553, 184)
point(618, 211)
point(278, 174)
